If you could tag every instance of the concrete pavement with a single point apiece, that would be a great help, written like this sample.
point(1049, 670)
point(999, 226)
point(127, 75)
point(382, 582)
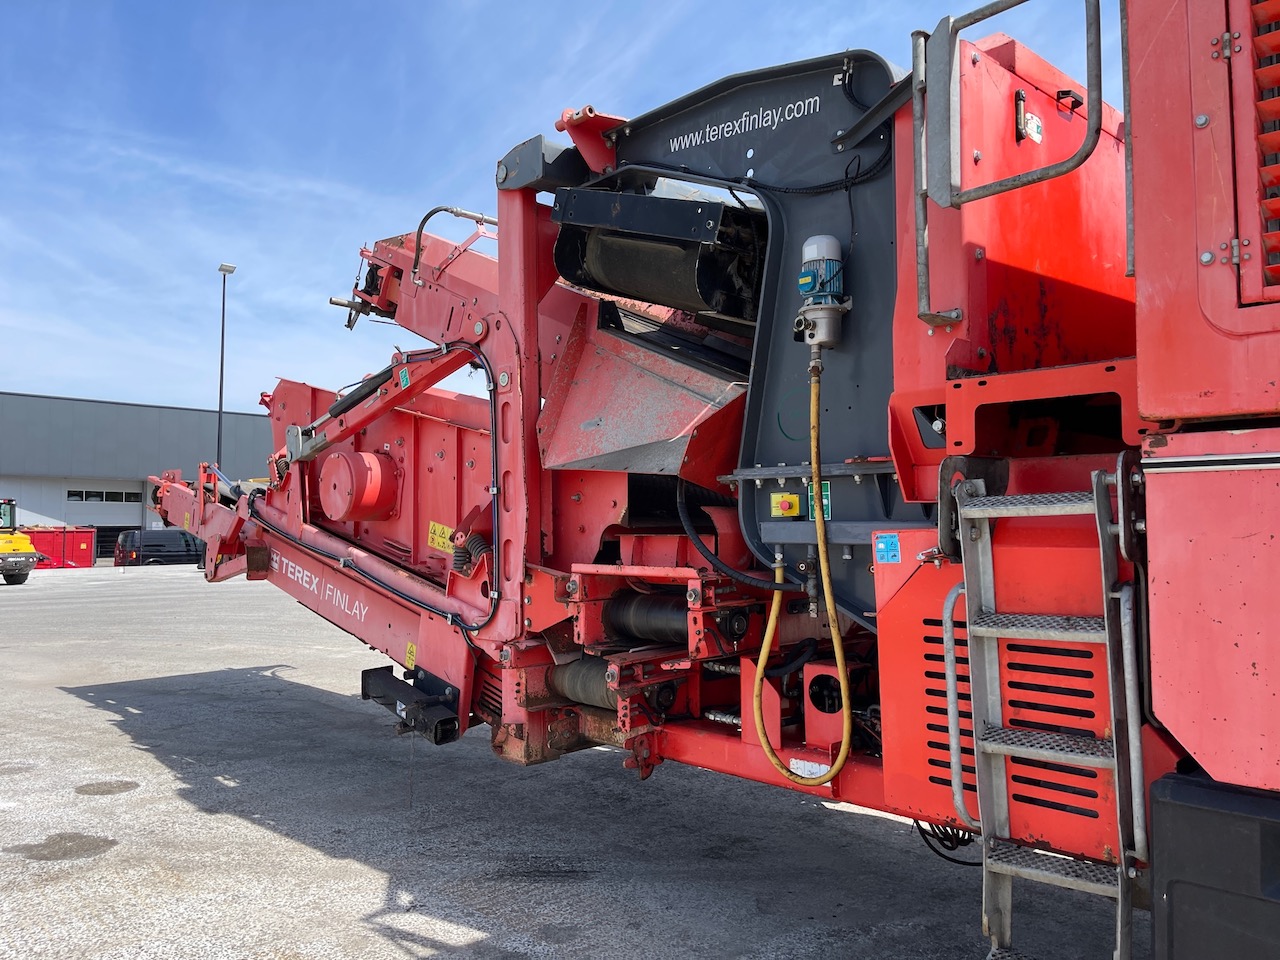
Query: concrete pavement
point(187, 771)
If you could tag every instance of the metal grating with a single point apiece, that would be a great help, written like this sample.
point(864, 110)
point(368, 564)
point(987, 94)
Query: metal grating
point(1030, 505)
point(1025, 862)
point(1042, 745)
point(1026, 626)
point(1266, 74)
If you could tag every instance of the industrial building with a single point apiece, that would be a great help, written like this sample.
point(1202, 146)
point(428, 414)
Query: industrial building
point(72, 462)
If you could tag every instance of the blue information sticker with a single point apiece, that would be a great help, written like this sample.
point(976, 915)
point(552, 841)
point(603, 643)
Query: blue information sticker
point(888, 550)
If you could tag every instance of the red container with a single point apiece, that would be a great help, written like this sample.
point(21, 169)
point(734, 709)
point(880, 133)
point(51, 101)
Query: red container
point(64, 546)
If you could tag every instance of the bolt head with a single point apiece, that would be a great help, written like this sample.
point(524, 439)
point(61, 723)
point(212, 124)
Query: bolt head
point(502, 173)
point(527, 623)
point(1206, 258)
point(1202, 120)
point(479, 327)
point(504, 378)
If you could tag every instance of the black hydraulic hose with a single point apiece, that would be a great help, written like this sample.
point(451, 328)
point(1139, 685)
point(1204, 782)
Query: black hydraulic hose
point(682, 507)
point(422, 225)
point(805, 651)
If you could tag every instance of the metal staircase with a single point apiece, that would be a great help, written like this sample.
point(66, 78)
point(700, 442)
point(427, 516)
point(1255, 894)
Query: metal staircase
point(1005, 860)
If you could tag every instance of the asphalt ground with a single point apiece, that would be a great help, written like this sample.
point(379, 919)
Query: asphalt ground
point(187, 771)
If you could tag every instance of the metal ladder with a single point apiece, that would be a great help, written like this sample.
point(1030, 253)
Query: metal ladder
point(1004, 859)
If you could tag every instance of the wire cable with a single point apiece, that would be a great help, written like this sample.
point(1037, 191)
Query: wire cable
point(948, 842)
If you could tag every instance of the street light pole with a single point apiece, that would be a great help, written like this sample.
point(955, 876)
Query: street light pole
point(226, 269)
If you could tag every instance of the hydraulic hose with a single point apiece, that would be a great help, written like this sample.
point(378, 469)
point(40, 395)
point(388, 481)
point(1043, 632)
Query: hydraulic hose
point(775, 608)
point(682, 508)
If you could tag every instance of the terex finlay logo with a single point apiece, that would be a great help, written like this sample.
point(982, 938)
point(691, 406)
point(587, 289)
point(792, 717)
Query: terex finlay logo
point(324, 591)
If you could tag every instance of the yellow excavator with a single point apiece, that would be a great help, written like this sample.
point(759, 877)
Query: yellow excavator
point(17, 555)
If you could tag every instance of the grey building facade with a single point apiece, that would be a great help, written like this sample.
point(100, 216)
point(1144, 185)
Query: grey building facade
point(86, 462)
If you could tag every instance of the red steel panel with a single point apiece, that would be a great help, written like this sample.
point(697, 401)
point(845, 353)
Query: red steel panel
point(1038, 273)
point(1200, 352)
point(1213, 552)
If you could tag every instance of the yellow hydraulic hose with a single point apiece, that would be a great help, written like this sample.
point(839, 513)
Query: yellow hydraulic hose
point(775, 608)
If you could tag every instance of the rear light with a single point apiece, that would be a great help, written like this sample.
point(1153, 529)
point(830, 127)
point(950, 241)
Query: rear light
point(133, 554)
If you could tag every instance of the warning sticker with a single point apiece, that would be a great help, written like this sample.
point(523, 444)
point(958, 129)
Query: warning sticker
point(410, 656)
point(440, 537)
point(186, 520)
point(888, 549)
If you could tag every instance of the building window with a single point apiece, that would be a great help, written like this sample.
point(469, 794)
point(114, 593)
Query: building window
point(132, 497)
point(93, 496)
point(115, 496)
point(76, 495)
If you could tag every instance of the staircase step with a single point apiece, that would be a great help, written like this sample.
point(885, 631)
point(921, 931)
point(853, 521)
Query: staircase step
point(1015, 861)
point(1030, 505)
point(1053, 747)
point(1037, 626)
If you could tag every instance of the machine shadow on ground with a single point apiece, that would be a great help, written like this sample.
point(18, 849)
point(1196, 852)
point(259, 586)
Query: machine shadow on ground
point(584, 859)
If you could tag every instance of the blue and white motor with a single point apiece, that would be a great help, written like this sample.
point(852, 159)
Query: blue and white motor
point(821, 281)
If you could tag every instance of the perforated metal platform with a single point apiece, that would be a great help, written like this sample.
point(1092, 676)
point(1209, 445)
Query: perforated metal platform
point(1015, 861)
point(1030, 505)
point(1054, 747)
point(1036, 626)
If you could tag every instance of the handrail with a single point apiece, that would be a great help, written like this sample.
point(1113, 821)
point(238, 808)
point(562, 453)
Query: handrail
point(934, 66)
point(1133, 721)
point(953, 706)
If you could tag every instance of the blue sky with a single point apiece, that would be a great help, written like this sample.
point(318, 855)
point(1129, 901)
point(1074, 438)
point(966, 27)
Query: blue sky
point(142, 142)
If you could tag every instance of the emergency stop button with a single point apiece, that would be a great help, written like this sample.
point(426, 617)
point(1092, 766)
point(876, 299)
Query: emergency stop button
point(784, 505)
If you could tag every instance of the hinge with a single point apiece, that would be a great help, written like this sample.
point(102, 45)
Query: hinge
point(1225, 40)
point(1235, 251)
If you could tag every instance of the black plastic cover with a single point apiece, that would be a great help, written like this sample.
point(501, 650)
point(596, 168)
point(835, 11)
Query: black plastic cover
point(1215, 852)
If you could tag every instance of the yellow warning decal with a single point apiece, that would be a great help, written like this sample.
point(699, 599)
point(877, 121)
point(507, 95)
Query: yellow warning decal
point(410, 656)
point(440, 537)
point(186, 521)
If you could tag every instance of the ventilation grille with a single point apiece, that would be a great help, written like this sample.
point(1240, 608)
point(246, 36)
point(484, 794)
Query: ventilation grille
point(489, 697)
point(938, 750)
point(1049, 687)
point(1055, 688)
point(1266, 48)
